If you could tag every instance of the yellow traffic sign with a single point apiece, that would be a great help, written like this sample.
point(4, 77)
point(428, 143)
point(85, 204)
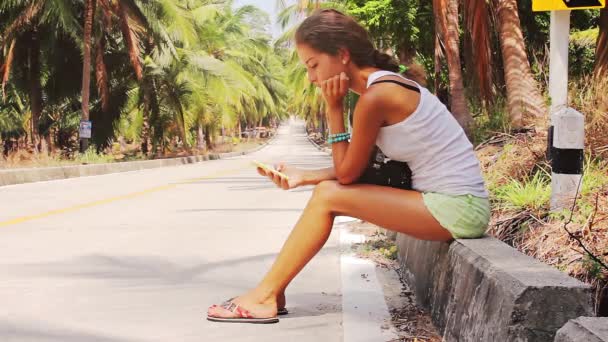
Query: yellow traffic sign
point(561, 5)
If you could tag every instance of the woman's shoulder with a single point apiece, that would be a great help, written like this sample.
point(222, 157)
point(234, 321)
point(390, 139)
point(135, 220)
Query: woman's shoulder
point(386, 94)
point(378, 97)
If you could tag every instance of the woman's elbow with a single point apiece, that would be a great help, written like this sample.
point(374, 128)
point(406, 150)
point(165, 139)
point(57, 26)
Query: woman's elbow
point(347, 179)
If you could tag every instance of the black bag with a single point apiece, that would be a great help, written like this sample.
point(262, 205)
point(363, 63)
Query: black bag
point(381, 171)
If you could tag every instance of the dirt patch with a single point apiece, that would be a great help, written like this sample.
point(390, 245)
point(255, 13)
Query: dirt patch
point(411, 322)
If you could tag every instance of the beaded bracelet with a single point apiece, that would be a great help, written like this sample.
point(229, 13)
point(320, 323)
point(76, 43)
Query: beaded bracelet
point(334, 138)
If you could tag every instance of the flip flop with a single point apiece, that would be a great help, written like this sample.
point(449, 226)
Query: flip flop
point(244, 316)
point(280, 312)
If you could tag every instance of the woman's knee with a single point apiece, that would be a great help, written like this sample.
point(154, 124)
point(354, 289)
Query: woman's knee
point(326, 192)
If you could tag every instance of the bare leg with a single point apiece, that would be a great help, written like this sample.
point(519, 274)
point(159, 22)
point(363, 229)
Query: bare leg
point(399, 210)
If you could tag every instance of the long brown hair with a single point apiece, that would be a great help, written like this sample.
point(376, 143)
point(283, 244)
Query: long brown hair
point(328, 30)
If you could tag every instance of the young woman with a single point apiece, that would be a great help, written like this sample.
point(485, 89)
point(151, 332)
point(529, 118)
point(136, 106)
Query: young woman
point(407, 123)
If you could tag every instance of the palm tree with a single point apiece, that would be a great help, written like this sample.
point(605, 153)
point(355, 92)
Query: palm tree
point(155, 25)
point(524, 101)
point(89, 12)
point(23, 24)
point(226, 76)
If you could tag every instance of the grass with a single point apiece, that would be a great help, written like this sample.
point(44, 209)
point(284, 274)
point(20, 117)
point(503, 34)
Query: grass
point(517, 176)
point(532, 194)
point(91, 156)
point(378, 244)
point(589, 96)
point(595, 175)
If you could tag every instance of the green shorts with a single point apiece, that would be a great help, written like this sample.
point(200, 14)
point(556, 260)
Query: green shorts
point(465, 216)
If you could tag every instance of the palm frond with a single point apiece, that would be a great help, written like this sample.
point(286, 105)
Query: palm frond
point(130, 39)
point(62, 16)
point(206, 13)
point(178, 22)
point(23, 21)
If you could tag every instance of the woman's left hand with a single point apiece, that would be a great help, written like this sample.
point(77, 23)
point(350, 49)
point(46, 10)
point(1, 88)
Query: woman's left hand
point(334, 89)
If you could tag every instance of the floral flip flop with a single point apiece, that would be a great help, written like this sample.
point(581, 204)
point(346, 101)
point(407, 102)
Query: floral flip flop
point(242, 315)
point(280, 312)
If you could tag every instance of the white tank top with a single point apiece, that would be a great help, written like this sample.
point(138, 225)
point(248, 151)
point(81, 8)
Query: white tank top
point(435, 147)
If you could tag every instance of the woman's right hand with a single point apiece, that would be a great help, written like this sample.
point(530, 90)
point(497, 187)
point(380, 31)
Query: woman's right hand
point(296, 176)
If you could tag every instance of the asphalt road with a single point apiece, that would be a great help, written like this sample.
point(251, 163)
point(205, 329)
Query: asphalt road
point(139, 256)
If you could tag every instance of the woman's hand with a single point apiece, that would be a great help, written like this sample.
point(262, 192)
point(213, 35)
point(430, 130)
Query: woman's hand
point(296, 176)
point(334, 89)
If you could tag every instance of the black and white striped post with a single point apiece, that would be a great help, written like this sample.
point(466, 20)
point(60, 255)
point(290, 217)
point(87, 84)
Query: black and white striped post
point(566, 141)
point(567, 132)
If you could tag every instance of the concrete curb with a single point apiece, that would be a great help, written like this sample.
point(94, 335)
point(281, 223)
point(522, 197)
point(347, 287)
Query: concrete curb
point(485, 290)
point(30, 175)
point(584, 329)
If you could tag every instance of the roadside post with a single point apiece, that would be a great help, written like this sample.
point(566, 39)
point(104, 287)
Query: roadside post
point(566, 134)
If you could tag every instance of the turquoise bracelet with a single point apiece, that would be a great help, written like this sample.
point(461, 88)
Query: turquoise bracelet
point(334, 138)
point(337, 135)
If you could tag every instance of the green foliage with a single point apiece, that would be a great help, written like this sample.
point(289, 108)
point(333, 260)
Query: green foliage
point(594, 268)
point(206, 64)
point(531, 194)
point(581, 52)
point(489, 122)
point(390, 252)
point(404, 26)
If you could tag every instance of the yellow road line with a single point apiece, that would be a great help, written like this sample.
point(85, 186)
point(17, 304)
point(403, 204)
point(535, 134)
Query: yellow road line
point(113, 199)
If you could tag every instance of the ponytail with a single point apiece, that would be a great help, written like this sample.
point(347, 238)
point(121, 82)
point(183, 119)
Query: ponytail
point(385, 61)
point(414, 72)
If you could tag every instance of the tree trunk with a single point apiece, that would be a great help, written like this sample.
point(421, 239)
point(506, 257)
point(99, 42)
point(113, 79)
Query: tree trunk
point(86, 65)
point(101, 75)
point(182, 130)
point(601, 48)
point(35, 87)
point(208, 139)
point(200, 138)
point(524, 101)
point(458, 103)
point(145, 127)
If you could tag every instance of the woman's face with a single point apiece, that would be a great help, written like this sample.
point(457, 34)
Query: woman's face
point(319, 65)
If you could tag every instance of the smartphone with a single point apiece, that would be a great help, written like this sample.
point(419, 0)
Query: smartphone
point(268, 168)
